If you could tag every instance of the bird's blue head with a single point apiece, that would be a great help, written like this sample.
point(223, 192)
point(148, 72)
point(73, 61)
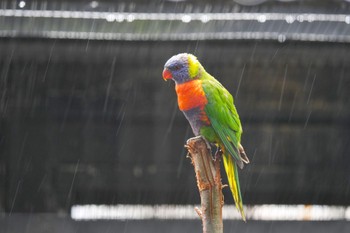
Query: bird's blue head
point(182, 68)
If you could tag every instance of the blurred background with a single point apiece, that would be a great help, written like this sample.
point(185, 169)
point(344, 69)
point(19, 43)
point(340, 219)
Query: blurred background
point(86, 118)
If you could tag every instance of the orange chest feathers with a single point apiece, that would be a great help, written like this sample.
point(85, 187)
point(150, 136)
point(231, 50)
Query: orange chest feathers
point(190, 95)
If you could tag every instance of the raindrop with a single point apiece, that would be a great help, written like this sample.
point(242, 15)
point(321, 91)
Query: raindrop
point(253, 52)
point(48, 61)
point(181, 163)
point(6, 68)
point(109, 85)
point(283, 84)
point(196, 47)
point(14, 198)
point(270, 147)
point(240, 80)
point(72, 184)
point(274, 55)
point(42, 182)
point(292, 108)
point(307, 76)
point(67, 108)
point(21, 151)
point(312, 85)
point(90, 34)
point(172, 119)
point(307, 119)
point(340, 83)
point(123, 109)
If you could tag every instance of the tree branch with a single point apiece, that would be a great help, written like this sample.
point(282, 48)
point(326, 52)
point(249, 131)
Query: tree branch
point(209, 184)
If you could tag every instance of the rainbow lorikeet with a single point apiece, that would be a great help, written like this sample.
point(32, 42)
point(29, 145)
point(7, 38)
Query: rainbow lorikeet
point(209, 108)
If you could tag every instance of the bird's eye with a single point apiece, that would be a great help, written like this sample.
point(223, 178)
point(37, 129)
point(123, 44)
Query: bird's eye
point(177, 67)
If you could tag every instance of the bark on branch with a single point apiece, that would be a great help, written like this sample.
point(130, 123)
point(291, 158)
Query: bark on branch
point(209, 184)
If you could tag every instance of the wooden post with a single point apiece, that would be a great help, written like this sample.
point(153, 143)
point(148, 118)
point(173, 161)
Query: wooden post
point(209, 184)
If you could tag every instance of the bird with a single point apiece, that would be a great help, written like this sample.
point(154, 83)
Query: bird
point(211, 113)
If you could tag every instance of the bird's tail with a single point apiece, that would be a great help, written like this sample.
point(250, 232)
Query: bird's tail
point(233, 181)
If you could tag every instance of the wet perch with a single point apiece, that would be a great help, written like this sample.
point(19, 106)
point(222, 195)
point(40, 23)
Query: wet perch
point(209, 185)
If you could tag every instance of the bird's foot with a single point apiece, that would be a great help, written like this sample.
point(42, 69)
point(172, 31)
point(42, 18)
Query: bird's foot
point(207, 143)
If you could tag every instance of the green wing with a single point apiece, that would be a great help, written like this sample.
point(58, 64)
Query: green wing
point(226, 124)
point(223, 117)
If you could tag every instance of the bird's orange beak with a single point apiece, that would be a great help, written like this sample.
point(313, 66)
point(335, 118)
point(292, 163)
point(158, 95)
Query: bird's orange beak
point(167, 74)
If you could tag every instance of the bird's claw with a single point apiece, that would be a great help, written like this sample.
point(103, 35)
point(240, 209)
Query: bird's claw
point(205, 140)
point(207, 143)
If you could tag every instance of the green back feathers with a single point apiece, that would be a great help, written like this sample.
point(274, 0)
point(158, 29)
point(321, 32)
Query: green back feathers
point(227, 126)
point(223, 116)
